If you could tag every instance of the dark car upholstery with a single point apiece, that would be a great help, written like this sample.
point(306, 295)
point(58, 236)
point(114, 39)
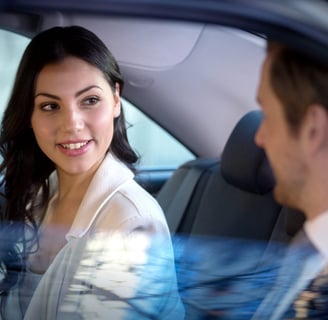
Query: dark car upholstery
point(231, 196)
point(229, 233)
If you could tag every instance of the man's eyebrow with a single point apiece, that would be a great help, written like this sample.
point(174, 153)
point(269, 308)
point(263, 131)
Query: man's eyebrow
point(52, 96)
point(258, 100)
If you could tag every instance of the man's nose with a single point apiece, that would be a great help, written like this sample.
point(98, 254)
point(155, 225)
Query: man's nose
point(259, 136)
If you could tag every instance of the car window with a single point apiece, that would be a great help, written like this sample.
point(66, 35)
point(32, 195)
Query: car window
point(12, 46)
point(157, 148)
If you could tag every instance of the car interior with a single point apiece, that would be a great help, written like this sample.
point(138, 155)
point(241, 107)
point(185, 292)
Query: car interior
point(229, 196)
point(196, 80)
point(223, 205)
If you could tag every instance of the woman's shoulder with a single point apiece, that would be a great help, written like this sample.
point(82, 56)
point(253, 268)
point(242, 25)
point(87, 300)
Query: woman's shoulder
point(131, 207)
point(137, 201)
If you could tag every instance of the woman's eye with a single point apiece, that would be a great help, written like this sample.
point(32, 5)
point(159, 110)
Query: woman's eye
point(91, 100)
point(49, 106)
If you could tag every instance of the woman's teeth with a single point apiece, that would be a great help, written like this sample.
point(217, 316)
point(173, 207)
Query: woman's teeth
point(74, 146)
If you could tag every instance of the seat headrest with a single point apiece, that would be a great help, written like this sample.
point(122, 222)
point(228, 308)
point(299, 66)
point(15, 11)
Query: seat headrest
point(243, 163)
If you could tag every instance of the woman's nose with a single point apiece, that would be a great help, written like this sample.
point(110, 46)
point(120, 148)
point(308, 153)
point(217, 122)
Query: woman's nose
point(72, 119)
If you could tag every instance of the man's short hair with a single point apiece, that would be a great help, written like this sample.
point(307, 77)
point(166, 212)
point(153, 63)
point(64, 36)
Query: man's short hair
point(298, 81)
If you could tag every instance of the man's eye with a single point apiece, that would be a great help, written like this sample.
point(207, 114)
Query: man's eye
point(91, 100)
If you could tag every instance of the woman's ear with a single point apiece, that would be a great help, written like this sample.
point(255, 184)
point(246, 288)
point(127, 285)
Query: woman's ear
point(117, 101)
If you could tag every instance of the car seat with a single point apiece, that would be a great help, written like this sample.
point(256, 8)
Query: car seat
point(231, 196)
point(229, 233)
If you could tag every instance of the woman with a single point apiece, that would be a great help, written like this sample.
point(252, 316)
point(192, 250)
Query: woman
point(83, 239)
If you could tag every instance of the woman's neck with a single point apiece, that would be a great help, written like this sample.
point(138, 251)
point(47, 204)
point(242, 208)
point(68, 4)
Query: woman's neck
point(73, 187)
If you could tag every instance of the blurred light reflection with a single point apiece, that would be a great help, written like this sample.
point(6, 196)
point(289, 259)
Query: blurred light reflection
point(132, 277)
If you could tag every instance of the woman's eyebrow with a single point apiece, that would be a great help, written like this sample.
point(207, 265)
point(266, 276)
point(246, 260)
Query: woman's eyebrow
point(48, 95)
point(52, 96)
point(87, 89)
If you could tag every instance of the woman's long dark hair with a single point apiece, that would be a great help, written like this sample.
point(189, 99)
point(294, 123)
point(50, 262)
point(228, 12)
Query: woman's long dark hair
point(25, 168)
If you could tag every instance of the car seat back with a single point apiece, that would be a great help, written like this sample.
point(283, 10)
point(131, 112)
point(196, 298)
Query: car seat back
point(231, 196)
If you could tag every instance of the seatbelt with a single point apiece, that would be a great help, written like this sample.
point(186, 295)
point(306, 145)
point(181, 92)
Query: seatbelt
point(178, 205)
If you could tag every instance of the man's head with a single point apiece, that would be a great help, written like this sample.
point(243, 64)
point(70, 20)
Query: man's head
point(298, 81)
point(293, 94)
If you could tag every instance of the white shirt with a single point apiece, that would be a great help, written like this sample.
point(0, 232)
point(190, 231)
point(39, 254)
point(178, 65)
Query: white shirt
point(317, 231)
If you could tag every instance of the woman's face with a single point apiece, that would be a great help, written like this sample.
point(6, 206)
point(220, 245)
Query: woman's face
point(73, 115)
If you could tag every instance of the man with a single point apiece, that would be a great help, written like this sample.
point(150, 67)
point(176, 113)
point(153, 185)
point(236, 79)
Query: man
point(293, 95)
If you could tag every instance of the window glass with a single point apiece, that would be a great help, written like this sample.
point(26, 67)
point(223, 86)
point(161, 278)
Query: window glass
point(156, 147)
point(12, 46)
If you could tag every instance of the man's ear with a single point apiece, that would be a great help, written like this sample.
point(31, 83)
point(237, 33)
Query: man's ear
point(314, 129)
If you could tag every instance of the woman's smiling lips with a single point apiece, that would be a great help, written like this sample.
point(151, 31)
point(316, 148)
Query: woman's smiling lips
point(74, 148)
